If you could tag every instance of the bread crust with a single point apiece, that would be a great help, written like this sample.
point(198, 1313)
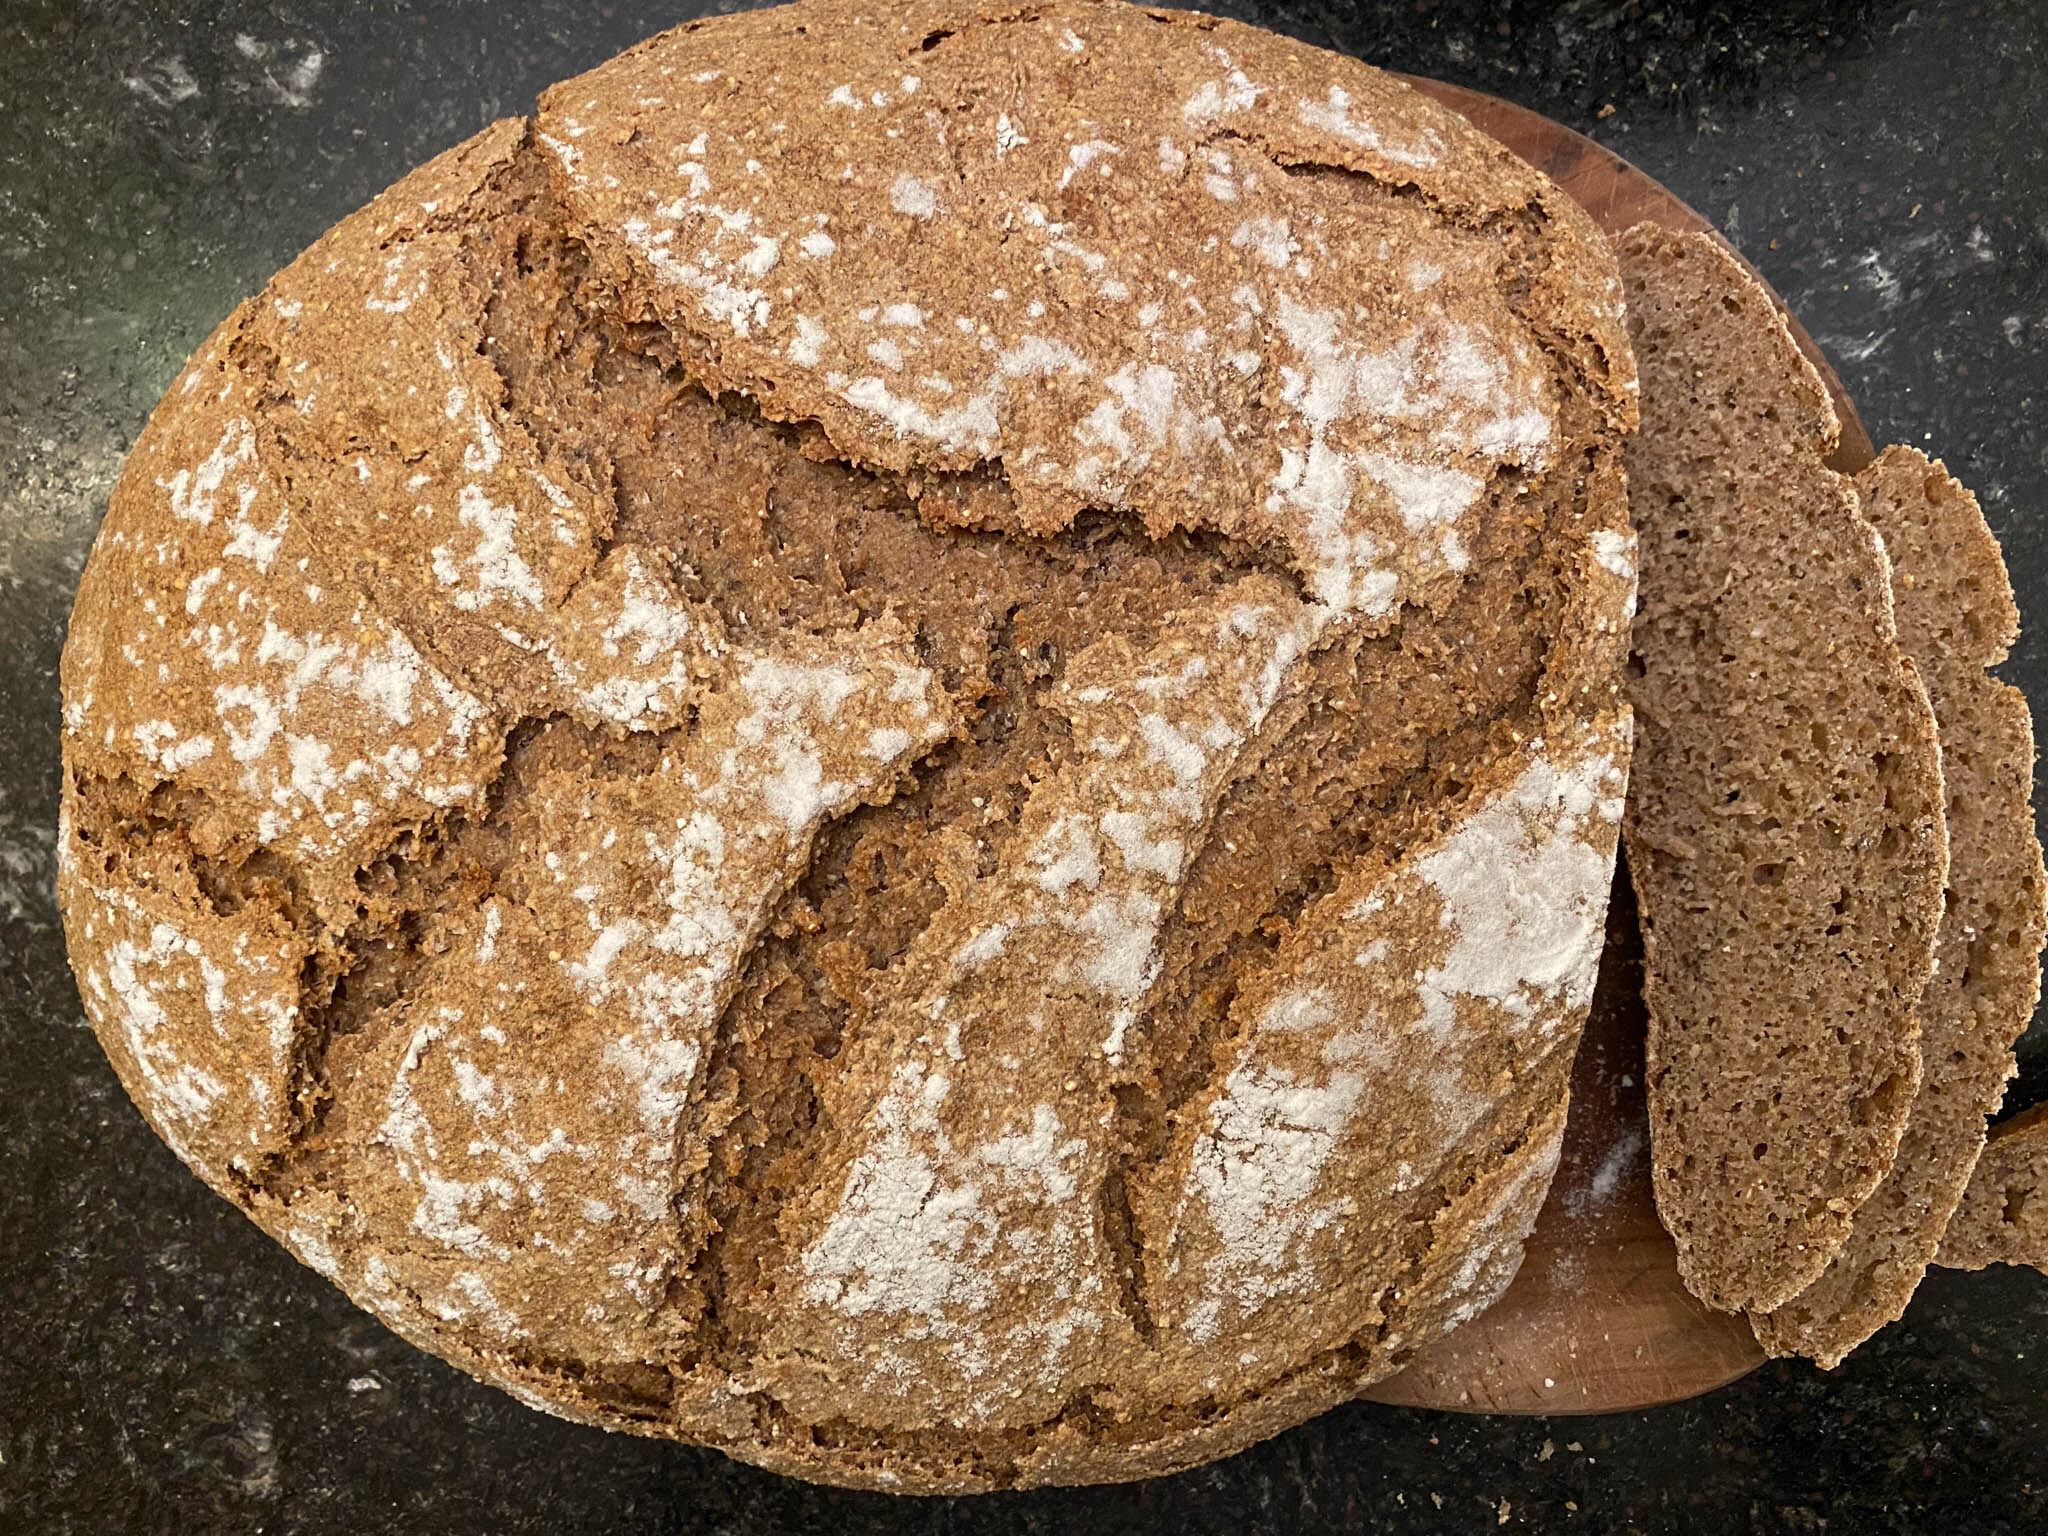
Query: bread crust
point(869, 796)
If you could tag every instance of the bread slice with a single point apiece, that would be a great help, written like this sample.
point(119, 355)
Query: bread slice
point(1784, 826)
point(1956, 617)
point(2003, 1215)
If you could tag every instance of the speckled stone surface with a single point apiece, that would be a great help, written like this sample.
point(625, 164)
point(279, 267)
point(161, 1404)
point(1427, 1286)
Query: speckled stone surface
point(164, 1367)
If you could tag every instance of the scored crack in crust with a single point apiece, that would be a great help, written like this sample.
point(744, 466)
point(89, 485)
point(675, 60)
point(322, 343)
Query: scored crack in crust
point(897, 745)
point(1785, 831)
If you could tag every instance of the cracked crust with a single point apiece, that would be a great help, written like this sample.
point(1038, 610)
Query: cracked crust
point(1785, 828)
point(1039, 944)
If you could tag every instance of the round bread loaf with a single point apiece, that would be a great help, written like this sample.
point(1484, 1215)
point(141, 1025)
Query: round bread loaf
point(895, 745)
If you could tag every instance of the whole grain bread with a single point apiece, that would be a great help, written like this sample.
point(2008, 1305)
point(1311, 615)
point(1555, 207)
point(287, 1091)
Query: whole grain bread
point(1956, 617)
point(897, 745)
point(1784, 828)
point(2003, 1215)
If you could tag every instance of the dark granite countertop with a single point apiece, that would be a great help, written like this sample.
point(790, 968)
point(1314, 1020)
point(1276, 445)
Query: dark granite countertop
point(165, 1367)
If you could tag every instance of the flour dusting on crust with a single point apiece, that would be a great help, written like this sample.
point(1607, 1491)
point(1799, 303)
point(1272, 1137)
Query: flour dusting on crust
point(1413, 996)
point(907, 722)
point(958, 1220)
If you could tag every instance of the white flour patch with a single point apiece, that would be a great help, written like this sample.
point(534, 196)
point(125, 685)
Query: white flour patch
point(916, 198)
point(1332, 115)
point(1606, 1182)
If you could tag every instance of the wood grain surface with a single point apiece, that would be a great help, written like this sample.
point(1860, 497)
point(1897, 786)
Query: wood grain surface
point(1598, 1321)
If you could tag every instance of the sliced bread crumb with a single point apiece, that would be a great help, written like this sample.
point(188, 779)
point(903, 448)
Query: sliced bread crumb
point(2002, 1219)
point(1956, 617)
point(1784, 826)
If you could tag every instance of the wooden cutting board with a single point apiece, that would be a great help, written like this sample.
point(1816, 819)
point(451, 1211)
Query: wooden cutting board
point(1597, 1321)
